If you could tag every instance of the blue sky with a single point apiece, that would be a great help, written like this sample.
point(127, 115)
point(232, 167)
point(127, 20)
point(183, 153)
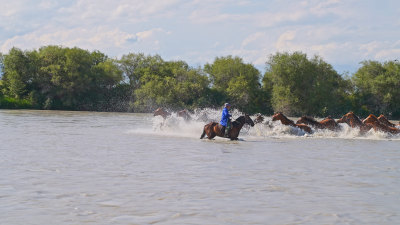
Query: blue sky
point(343, 33)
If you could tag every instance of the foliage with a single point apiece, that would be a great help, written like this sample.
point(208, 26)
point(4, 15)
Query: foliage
point(378, 88)
point(134, 66)
point(173, 85)
point(238, 82)
point(59, 78)
point(303, 86)
point(1, 64)
point(13, 103)
point(55, 77)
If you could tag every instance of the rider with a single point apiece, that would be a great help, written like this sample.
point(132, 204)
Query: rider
point(225, 120)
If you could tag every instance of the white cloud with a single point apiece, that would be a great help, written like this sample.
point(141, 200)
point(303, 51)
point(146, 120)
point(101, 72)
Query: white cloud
point(47, 4)
point(143, 35)
point(381, 50)
point(113, 40)
point(388, 54)
point(284, 41)
point(199, 30)
point(209, 16)
point(11, 8)
point(322, 8)
point(252, 38)
point(117, 11)
point(85, 38)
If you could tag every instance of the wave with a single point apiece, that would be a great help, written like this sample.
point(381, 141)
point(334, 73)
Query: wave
point(178, 126)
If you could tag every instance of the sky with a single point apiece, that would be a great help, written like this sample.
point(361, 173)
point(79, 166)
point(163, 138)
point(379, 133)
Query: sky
point(342, 32)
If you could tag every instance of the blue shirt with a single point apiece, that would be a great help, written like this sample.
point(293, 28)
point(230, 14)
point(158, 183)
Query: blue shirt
point(225, 117)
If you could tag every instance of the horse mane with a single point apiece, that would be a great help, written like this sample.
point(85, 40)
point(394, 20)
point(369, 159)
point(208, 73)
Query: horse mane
point(371, 119)
point(309, 119)
point(285, 117)
point(356, 118)
point(239, 120)
point(373, 116)
point(351, 115)
point(384, 120)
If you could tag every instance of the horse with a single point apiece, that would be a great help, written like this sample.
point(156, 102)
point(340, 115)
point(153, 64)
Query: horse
point(327, 123)
point(286, 121)
point(377, 125)
point(259, 119)
point(184, 114)
point(161, 112)
point(385, 121)
point(354, 122)
point(214, 129)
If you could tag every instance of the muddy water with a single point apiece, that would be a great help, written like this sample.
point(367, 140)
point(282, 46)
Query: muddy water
point(61, 167)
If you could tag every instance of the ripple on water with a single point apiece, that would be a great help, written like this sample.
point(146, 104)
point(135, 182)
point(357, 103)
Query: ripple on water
point(115, 169)
point(144, 219)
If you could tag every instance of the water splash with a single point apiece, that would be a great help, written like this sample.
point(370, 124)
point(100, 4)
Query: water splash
point(178, 126)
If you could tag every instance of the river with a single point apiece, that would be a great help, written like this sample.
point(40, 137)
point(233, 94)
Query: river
point(60, 167)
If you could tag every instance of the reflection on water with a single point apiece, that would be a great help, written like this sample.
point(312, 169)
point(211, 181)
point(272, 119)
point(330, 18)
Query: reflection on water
point(119, 168)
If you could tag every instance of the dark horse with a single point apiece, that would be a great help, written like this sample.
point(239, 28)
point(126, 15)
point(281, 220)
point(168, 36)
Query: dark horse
point(214, 129)
point(327, 123)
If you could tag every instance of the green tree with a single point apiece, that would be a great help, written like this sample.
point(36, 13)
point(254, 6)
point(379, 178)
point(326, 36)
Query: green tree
point(237, 82)
point(1, 72)
point(377, 87)
point(303, 86)
point(174, 85)
point(134, 66)
point(19, 72)
point(60, 78)
point(1, 64)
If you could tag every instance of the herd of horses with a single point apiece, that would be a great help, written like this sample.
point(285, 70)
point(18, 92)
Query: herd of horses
point(305, 123)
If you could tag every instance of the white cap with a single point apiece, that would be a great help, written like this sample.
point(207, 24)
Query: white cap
point(227, 104)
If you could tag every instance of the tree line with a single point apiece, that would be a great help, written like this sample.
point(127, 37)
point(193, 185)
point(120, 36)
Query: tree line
point(61, 78)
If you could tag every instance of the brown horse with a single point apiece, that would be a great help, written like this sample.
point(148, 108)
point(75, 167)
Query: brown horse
point(327, 123)
point(286, 121)
point(161, 112)
point(214, 129)
point(184, 114)
point(354, 122)
point(385, 121)
point(378, 126)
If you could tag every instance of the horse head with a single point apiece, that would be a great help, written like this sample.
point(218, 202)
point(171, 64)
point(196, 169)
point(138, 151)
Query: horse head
point(278, 116)
point(306, 120)
point(344, 119)
point(385, 121)
point(371, 119)
point(284, 120)
point(351, 119)
point(301, 120)
point(245, 120)
point(259, 119)
point(184, 114)
point(161, 112)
